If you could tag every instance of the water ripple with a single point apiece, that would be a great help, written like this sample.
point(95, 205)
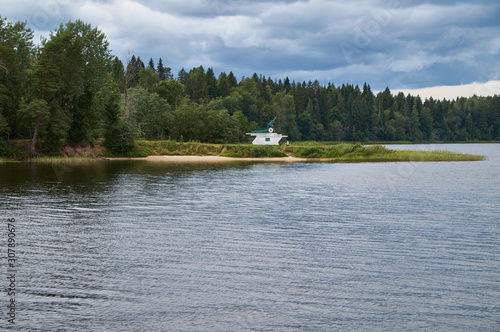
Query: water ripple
point(258, 247)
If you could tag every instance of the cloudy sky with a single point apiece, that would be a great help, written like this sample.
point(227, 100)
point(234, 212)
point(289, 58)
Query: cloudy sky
point(402, 44)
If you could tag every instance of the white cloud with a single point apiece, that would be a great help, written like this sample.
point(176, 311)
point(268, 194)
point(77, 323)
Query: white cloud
point(239, 31)
point(430, 15)
point(452, 92)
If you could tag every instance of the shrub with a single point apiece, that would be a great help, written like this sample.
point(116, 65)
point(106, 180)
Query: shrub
point(275, 152)
point(309, 152)
point(256, 152)
point(120, 138)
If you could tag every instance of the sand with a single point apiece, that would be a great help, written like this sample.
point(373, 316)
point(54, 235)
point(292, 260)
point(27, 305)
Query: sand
point(214, 159)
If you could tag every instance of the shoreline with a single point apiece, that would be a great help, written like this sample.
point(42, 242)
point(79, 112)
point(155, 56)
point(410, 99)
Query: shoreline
point(400, 156)
point(211, 159)
point(171, 152)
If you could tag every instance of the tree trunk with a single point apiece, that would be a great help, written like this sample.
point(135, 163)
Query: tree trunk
point(33, 142)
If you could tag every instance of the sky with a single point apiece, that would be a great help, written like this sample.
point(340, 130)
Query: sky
point(406, 45)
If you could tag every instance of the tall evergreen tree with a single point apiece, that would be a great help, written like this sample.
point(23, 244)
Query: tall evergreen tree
point(132, 72)
point(182, 76)
point(95, 62)
point(196, 85)
point(151, 64)
point(287, 85)
point(232, 81)
point(118, 73)
point(164, 73)
point(223, 88)
point(211, 83)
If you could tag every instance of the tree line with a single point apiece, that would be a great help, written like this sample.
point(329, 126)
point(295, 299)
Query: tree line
point(71, 89)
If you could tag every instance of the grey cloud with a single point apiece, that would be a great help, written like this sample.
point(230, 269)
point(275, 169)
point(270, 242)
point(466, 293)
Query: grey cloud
point(400, 43)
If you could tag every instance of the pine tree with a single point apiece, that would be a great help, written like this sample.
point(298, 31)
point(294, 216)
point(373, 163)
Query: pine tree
point(232, 80)
point(211, 83)
point(223, 88)
point(182, 76)
point(287, 85)
point(132, 72)
point(118, 73)
point(151, 64)
point(161, 70)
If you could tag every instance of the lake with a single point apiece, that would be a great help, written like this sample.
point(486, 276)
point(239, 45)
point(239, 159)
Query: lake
point(151, 246)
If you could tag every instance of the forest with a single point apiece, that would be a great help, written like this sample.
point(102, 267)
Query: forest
point(71, 89)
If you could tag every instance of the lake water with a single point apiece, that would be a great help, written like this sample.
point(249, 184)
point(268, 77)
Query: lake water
point(149, 246)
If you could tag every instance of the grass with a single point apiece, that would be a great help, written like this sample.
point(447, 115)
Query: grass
point(334, 152)
point(145, 148)
point(408, 155)
point(376, 153)
point(252, 151)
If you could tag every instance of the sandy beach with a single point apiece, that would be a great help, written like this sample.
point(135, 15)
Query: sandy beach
point(214, 159)
point(208, 159)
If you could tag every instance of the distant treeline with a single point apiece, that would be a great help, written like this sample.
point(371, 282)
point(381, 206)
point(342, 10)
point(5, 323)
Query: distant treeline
point(72, 89)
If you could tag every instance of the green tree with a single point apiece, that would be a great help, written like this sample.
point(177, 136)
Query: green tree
point(16, 51)
point(400, 126)
point(131, 78)
point(119, 132)
point(94, 63)
point(171, 90)
point(182, 76)
point(148, 78)
point(469, 127)
point(337, 131)
point(196, 85)
point(37, 115)
point(118, 73)
point(233, 102)
point(304, 122)
point(243, 124)
point(232, 81)
point(134, 66)
point(223, 87)
point(193, 121)
point(221, 127)
point(211, 82)
point(416, 133)
point(151, 113)
point(426, 123)
point(151, 64)
point(82, 121)
point(57, 78)
point(69, 71)
point(283, 106)
point(164, 73)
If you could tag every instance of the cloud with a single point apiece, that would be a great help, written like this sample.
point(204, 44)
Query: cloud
point(399, 43)
point(452, 92)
